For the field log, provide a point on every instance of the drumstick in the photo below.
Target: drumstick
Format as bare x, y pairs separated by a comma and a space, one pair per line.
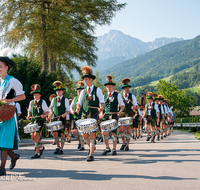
57, 116
93, 107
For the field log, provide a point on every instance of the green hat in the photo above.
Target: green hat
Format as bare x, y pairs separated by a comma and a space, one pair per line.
87, 72
7, 60
125, 82
109, 81
80, 85
36, 88
58, 86
149, 95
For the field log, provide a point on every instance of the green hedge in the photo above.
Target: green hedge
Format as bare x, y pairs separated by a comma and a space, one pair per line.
188, 120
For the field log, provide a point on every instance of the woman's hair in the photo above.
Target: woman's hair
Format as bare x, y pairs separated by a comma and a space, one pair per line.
7, 64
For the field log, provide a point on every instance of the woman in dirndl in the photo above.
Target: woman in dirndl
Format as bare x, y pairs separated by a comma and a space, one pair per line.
11, 91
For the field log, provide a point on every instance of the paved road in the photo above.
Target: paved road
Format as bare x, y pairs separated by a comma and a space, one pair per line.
173, 163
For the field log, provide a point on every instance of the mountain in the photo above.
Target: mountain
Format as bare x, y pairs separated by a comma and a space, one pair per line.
159, 63
115, 43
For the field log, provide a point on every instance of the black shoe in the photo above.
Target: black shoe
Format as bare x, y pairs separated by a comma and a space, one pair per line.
161, 137
56, 151
165, 136
13, 162
152, 140
41, 150
127, 148
2, 172
60, 152
79, 145
101, 139
114, 152
123, 146
81, 149
69, 141
138, 137
148, 138
35, 156
106, 151
90, 158
158, 138
54, 143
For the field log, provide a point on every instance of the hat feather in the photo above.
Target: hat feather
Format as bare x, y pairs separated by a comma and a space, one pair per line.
155, 95
86, 70
81, 83
150, 94
35, 87
126, 81
109, 78
57, 83
4, 52
160, 96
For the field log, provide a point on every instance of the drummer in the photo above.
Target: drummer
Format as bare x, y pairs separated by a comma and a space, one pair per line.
90, 98
76, 116
112, 100
69, 118
37, 107
130, 105
59, 108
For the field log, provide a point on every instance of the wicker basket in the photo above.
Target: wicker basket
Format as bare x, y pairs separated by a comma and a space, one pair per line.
7, 112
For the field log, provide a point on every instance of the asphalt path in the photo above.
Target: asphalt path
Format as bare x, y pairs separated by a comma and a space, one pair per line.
172, 163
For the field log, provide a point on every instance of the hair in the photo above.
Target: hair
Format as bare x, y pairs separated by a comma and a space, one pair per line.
7, 64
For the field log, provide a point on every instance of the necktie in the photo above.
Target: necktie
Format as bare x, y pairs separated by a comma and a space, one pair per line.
58, 100
35, 103
126, 95
109, 95
88, 91
150, 105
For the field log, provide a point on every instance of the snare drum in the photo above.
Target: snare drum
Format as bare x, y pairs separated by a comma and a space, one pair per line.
31, 128
54, 126
125, 121
86, 125
109, 125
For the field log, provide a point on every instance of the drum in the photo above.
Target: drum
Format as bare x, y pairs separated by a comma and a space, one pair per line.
86, 125
109, 125
31, 128
125, 121
54, 126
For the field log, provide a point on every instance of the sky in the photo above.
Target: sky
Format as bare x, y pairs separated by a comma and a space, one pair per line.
151, 19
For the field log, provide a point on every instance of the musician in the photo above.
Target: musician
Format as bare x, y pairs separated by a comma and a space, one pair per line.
130, 105
59, 108
112, 100
90, 98
159, 124
37, 111
151, 114
11, 91
137, 121
76, 117
141, 120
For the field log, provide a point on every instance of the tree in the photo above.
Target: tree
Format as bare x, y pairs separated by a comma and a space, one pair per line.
60, 33
181, 102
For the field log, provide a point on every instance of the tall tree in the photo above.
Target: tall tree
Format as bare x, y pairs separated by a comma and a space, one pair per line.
59, 32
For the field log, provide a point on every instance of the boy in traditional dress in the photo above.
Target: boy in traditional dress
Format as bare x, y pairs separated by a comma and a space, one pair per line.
37, 107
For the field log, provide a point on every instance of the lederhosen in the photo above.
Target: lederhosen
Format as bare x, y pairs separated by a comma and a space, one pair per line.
91, 100
76, 116
136, 120
111, 105
151, 119
37, 111
59, 110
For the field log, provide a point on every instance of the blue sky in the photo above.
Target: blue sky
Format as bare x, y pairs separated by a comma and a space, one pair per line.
150, 19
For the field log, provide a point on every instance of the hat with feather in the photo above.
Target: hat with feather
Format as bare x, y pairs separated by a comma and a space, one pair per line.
149, 95
80, 85
155, 96
87, 72
160, 97
109, 81
125, 82
58, 86
36, 88
4, 58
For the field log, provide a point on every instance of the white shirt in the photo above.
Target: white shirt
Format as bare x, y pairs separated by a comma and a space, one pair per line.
134, 100
44, 106
119, 98
99, 94
162, 110
58, 104
155, 107
17, 105
72, 104
166, 110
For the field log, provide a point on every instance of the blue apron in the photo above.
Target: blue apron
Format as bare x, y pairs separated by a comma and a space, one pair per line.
7, 128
